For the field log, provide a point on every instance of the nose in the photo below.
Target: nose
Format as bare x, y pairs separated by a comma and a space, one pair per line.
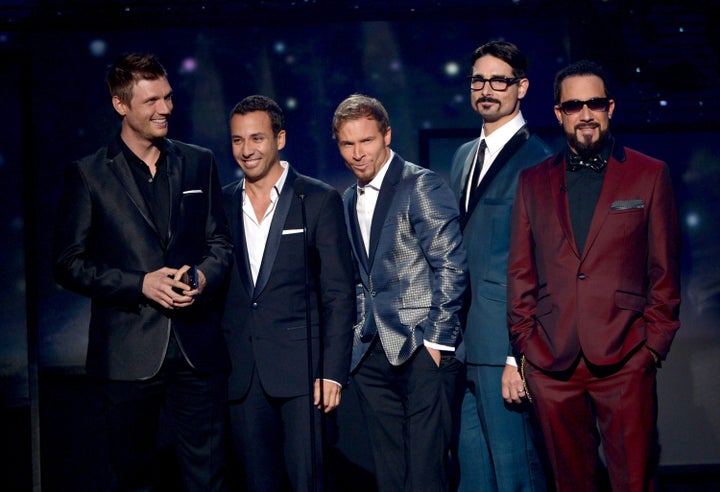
242, 148
165, 106
357, 153
586, 113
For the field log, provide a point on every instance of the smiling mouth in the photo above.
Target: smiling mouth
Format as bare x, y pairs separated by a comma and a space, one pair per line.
586, 129
251, 162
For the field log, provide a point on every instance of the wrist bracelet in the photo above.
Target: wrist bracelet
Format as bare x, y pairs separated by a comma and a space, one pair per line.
524, 381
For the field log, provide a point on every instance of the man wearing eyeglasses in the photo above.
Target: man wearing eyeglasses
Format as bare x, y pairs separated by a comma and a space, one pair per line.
496, 448
594, 291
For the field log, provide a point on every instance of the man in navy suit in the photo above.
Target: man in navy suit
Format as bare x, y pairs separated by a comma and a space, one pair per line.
496, 451
402, 221
275, 214
134, 217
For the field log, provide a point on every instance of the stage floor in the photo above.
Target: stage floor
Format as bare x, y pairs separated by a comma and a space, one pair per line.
71, 444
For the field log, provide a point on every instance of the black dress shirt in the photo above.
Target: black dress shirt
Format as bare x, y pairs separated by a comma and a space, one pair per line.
583, 188
155, 189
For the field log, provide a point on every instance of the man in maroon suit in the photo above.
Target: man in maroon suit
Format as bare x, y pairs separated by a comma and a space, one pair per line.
593, 292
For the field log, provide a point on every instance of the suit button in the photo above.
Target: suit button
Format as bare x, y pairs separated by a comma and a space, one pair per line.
372, 293
254, 305
582, 276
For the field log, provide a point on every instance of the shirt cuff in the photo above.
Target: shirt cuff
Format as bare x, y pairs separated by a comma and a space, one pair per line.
437, 346
510, 361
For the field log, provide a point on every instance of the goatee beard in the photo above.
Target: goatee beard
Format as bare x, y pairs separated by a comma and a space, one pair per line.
587, 149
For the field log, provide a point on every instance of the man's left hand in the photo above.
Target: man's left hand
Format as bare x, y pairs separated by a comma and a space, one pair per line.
331, 392
513, 389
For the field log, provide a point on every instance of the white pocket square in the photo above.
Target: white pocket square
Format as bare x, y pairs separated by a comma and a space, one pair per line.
291, 231
192, 192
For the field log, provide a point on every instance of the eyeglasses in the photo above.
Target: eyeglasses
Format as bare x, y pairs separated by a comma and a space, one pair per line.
496, 83
595, 104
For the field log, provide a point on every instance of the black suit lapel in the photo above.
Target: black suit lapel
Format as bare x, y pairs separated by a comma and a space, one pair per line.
276, 227
237, 224
175, 174
385, 198
121, 169
517, 141
354, 226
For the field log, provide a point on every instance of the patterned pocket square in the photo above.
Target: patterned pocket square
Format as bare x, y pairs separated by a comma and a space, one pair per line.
627, 204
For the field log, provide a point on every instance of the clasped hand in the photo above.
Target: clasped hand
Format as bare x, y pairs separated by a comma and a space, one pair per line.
164, 287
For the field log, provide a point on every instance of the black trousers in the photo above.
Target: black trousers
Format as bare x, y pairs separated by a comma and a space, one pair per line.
272, 436
178, 405
409, 416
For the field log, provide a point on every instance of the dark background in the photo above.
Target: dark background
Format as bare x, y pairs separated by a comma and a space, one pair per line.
664, 57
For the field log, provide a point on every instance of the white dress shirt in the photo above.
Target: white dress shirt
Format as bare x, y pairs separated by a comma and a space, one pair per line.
367, 197
256, 233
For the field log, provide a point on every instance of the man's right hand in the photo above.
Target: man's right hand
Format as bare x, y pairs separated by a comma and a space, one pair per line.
158, 286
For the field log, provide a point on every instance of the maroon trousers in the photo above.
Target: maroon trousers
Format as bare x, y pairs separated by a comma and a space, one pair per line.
589, 405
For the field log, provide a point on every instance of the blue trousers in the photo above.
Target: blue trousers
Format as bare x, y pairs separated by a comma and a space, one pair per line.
497, 444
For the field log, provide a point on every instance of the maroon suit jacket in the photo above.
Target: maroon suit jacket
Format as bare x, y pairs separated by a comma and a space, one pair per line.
623, 291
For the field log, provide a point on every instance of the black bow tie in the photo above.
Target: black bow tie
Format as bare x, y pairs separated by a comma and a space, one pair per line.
575, 162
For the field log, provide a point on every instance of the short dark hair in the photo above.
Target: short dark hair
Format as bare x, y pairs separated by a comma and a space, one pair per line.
507, 52
360, 106
128, 69
262, 103
582, 67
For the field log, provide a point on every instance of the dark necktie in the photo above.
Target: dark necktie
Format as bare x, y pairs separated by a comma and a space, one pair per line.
474, 179
575, 162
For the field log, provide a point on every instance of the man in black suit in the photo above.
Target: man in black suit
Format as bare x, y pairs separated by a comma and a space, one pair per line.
275, 213
134, 218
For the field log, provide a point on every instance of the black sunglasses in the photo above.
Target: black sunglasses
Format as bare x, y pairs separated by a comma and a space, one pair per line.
595, 104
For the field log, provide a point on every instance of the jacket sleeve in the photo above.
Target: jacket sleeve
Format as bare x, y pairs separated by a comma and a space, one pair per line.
336, 288
218, 256
522, 275
434, 215
663, 269
75, 267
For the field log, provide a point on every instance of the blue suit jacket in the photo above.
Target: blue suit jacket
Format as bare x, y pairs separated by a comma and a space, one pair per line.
265, 324
411, 285
487, 240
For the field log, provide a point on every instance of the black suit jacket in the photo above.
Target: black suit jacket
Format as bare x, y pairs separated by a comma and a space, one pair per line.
105, 241
265, 325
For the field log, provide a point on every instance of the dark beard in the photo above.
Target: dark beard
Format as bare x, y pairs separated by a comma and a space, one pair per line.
588, 150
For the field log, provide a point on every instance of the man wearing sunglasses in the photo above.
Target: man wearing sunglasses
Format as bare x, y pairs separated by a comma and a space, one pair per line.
496, 446
594, 292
